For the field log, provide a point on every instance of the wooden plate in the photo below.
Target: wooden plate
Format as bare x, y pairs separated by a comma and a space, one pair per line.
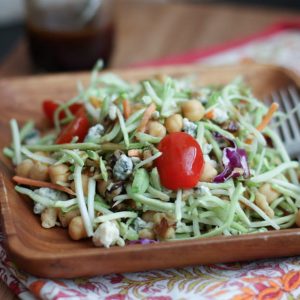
50, 253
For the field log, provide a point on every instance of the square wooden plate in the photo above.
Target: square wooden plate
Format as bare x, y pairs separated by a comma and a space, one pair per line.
50, 253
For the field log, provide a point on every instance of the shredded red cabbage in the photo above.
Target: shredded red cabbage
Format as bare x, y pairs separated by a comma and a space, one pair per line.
142, 242
235, 164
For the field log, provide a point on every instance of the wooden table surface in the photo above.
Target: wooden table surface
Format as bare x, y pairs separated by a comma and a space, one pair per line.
150, 31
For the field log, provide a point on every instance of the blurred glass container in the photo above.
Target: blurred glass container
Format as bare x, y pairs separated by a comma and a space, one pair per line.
67, 35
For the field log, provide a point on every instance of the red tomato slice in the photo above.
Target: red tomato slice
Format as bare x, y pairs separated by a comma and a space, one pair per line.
78, 127
50, 106
181, 164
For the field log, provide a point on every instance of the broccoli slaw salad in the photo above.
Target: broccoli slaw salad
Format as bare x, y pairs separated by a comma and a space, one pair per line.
160, 159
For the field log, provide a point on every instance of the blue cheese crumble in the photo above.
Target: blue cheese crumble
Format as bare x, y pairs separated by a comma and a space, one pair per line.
107, 234
94, 132
189, 127
123, 167
48, 193
220, 116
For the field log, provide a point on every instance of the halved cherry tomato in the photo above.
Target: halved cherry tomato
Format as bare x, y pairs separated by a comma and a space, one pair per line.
78, 127
50, 106
181, 164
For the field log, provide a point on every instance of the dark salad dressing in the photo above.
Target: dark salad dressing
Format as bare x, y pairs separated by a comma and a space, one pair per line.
58, 41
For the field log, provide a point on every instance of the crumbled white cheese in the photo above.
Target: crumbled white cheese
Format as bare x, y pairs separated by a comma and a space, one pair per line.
112, 112
206, 148
123, 167
202, 190
107, 234
141, 224
189, 127
38, 208
220, 115
51, 194
94, 133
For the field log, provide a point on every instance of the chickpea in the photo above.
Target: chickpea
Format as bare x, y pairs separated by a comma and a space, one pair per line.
169, 234
76, 229
49, 217
101, 187
298, 218
23, 169
146, 234
147, 154
65, 218
108, 189
59, 173
159, 216
174, 123
193, 110
156, 129
268, 192
39, 171
148, 215
262, 203
161, 77
209, 173
84, 179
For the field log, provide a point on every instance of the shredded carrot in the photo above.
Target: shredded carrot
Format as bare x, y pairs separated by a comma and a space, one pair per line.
146, 117
266, 120
209, 115
38, 183
126, 108
268, 117
134, 153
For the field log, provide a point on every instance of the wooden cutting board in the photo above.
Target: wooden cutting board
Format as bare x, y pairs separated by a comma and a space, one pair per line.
50, 253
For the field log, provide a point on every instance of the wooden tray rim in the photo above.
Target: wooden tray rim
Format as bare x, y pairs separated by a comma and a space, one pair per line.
25, 255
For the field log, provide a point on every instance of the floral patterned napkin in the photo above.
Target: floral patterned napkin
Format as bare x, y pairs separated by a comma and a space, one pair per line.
263, 280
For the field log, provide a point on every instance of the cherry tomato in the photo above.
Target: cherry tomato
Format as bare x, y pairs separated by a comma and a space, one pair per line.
78, 127
181, 164
50, 106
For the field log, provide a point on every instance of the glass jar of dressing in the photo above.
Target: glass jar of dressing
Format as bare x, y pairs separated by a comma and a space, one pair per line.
67, 35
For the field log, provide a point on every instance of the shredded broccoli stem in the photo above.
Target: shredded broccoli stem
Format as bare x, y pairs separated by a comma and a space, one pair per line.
75, 156
115, 216
144, 137
37, 157
47, 202
16, 141
81, 201
178, 206
123, 128
111, 135
158, 194
91, 198
276, 171
148, 160
26, 129
8, 152
153, 203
